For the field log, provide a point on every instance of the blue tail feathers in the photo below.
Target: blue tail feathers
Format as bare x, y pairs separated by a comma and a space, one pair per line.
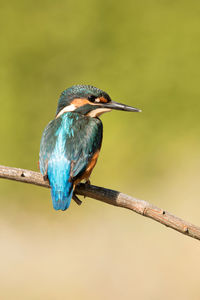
61, 188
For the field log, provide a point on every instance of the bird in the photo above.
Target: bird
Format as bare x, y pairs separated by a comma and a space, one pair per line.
71, 142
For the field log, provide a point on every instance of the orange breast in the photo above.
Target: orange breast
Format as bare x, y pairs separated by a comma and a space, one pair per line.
89, 169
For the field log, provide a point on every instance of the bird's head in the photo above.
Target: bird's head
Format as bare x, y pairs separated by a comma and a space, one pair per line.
88, 100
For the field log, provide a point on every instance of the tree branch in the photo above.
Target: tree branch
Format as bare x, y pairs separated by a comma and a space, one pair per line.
111, 197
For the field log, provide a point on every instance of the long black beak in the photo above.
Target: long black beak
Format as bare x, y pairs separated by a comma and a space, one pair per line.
119, 106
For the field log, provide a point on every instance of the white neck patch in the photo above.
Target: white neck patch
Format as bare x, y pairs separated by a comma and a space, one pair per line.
68, 108
97, 112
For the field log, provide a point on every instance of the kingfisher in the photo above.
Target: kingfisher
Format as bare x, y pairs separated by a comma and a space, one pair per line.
71, 143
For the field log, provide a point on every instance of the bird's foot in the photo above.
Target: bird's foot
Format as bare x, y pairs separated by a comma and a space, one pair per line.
88, 182
45, 177
76, 199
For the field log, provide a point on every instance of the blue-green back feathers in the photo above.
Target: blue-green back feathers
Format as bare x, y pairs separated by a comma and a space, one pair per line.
67, 146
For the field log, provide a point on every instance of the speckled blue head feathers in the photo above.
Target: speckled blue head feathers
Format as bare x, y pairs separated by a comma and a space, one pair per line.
80, 91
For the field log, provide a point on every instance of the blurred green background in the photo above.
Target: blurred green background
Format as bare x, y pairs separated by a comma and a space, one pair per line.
143, 53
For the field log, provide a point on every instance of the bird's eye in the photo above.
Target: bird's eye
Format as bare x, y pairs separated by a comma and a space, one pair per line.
92, 98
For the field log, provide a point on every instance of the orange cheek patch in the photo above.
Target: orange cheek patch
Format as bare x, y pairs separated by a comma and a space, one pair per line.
79, 102
103, 100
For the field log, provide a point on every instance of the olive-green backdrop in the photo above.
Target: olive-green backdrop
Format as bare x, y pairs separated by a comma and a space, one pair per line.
143, 53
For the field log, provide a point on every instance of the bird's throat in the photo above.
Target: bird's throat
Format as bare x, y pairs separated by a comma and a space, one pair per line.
97, 112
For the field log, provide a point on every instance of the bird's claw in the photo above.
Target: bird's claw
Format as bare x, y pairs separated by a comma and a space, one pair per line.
76, 199
45, 177
88, 182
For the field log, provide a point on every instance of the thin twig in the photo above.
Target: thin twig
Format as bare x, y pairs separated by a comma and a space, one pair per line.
111, 197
